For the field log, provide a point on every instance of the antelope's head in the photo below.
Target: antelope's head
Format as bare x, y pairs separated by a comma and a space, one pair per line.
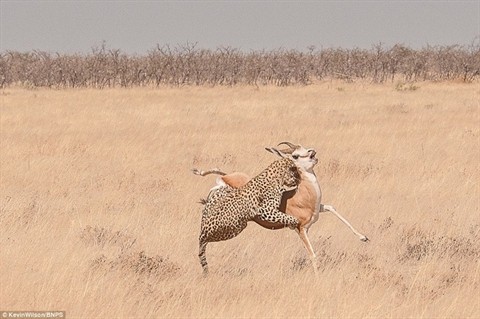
303, 157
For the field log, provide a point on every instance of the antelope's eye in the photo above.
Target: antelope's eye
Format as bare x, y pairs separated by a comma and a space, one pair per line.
295, 156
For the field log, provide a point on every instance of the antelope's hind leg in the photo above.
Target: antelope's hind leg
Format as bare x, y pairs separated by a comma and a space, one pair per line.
303, 234
216, 171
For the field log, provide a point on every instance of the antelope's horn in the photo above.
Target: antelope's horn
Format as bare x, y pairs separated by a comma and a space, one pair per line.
291, 145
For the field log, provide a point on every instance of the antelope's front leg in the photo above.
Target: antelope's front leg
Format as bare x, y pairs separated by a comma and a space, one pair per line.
303, 233
331, 209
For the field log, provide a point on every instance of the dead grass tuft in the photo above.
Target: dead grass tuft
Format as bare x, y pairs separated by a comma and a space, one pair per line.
101, 236
418, 244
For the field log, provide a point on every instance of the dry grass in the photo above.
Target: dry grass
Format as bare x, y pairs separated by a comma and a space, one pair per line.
99, 214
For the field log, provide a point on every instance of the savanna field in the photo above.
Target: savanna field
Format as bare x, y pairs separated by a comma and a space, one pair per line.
100, 215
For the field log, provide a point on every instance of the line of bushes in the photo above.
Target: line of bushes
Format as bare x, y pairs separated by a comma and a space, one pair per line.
188, 65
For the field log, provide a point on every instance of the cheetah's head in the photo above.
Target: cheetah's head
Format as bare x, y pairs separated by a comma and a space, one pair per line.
291, 175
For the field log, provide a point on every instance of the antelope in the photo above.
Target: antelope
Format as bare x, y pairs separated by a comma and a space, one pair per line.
305, 203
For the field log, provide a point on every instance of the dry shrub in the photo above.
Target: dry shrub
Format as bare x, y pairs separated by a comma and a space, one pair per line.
327, 257
101, 236
386, 224
188, 65
418, 244
128, 260
135, 263
143, 265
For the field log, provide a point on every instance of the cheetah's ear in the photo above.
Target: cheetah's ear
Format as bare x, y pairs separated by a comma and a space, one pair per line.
276, 152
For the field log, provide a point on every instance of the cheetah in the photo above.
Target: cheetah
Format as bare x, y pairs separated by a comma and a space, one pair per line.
227, 210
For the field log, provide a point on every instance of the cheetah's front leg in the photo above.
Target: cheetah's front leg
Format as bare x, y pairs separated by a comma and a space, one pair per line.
269, 209
276, 216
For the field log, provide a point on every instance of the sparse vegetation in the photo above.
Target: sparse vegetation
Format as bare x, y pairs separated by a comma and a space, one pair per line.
402, 86
99, 213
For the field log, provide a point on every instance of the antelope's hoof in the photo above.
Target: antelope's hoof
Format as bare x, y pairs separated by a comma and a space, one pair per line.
364, 239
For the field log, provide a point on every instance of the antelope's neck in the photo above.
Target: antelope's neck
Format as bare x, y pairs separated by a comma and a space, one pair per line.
310, 177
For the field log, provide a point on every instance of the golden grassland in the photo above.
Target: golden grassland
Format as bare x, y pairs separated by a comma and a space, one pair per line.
99, 213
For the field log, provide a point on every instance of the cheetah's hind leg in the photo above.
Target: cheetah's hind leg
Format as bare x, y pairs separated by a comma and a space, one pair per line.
201, 254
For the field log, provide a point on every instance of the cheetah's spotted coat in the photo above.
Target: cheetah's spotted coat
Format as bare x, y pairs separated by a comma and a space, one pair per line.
227, 210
